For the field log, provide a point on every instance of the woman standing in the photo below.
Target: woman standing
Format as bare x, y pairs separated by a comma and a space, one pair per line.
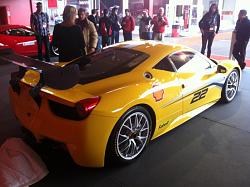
209, 26
68, 37
144, 27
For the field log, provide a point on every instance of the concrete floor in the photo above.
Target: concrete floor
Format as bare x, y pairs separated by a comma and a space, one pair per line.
212, 149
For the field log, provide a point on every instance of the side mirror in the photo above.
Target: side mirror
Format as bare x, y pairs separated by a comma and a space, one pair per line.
221, 69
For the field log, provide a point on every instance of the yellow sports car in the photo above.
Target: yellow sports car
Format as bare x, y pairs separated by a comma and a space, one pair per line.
108, 106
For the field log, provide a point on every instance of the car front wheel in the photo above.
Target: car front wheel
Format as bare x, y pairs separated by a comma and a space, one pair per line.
54, 51
130, 135
231, 85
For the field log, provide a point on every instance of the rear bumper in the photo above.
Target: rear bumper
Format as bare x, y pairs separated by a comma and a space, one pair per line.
85, 140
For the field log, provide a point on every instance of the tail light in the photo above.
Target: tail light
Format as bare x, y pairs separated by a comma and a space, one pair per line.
85, 106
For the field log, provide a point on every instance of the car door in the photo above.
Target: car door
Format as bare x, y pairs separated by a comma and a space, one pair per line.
167, 94
199, 78
24, 41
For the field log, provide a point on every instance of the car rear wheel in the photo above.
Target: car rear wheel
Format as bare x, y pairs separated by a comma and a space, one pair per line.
130, 135
230, 87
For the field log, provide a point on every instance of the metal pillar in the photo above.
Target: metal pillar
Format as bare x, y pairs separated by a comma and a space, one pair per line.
148, 4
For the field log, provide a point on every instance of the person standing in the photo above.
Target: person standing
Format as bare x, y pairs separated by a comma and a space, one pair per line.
105, 28
242, 31
94, 18
88, 30
144, 26
128, 25
209, 26
159, 22
39, 22
115, 25
68, 37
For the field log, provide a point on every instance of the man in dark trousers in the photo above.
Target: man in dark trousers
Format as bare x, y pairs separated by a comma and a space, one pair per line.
128, 25
115, 25
242, 30
94, 18
39, 22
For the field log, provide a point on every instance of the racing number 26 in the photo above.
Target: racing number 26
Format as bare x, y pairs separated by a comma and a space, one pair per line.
199, 95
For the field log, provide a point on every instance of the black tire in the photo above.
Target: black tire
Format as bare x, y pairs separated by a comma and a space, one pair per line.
114, 153
232, 82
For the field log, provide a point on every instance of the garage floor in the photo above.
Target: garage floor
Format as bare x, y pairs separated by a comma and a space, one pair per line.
212, 149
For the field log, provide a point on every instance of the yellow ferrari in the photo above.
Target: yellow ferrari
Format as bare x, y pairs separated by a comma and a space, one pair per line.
110, 105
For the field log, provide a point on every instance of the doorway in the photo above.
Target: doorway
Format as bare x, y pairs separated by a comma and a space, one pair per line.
3, 16
182, 16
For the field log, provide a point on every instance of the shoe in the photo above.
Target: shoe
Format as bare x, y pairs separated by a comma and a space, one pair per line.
242, 66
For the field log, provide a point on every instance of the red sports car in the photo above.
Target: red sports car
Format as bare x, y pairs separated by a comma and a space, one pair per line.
19, 38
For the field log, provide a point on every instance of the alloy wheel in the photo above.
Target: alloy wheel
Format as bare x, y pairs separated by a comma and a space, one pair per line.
133, 135
232, 85
55, 50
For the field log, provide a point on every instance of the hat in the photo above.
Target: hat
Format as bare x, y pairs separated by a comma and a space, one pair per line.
145, 10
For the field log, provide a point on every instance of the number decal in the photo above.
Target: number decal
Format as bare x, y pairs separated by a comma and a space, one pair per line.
199, 95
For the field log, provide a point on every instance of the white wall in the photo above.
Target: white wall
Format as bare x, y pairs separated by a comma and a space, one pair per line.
241, 4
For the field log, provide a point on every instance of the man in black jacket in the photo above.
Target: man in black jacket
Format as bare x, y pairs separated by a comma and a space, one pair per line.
95, 18
242, 30
115, 25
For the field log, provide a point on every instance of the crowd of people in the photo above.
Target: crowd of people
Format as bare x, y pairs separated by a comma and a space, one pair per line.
84, 35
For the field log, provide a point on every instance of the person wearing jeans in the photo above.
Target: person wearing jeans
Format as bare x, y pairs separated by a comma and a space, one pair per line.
144, 26
39, 22
209, 26
94, 18
115, 25
43, 40
105, 28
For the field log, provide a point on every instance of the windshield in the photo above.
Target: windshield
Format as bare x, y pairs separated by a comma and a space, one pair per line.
109, 62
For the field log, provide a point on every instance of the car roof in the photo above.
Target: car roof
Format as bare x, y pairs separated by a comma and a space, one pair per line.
5, 27
151, 47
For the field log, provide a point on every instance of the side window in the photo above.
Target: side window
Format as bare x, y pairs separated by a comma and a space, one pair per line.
16, 32
189, 62
28, 32
181, 58
165, 65
20, 32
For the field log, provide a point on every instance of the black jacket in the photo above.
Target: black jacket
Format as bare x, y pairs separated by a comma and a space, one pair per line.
70, 42
114, 20
210, 21
242, 29
95, 20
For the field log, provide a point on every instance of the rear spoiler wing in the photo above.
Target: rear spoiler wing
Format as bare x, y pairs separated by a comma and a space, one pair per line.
56, 77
